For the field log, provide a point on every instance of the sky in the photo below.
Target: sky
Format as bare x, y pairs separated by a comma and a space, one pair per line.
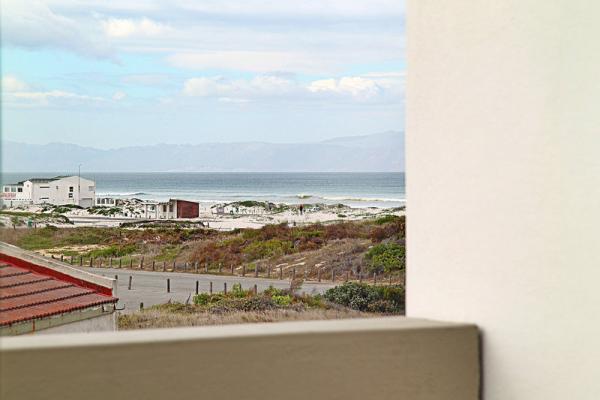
110, 74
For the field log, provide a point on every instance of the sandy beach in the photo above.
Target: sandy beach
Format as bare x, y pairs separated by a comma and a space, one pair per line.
215, 216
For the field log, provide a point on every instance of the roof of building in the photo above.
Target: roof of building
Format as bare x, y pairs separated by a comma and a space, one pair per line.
27, 295
46, 180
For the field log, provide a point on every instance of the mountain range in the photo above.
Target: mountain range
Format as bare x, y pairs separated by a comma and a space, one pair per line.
380, 152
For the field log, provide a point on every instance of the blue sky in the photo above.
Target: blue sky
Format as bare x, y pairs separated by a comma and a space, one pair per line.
118, 73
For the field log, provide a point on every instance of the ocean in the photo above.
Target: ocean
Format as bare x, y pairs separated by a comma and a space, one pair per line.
385, 189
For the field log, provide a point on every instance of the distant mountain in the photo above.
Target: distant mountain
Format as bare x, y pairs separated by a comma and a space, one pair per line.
381, 152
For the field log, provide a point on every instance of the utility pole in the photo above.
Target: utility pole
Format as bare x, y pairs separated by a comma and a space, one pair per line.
79, 185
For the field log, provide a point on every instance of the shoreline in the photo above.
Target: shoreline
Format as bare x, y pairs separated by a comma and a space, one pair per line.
255, 216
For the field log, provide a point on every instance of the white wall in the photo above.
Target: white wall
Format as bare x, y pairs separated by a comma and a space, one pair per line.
57, 192
503, 185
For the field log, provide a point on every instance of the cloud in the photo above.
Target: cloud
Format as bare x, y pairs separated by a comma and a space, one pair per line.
254, 61
119, 95
11, 84
33, 24
124, 27
56, 94
377, 88
18, 93
356, 87
311, 36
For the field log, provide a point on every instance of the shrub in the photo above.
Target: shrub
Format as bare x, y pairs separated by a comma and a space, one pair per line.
363, 297
113, 251
282, 301
386, 219
237, 291
388, 257
267, 249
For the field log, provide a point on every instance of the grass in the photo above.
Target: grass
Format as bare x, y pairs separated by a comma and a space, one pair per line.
166, 317
272, 305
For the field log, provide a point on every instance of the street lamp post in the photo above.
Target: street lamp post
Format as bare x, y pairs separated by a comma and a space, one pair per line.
79, 185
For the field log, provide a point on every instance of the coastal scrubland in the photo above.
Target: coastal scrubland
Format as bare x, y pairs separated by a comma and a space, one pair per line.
345, 248
350, 300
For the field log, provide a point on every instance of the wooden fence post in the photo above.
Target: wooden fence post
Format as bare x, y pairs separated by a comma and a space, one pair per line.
129, 284
197, 286
142, 263
174, 265
62, 258
225, 287
153, 264
244, 270
168, 285
231, 269
81, 261
120, 262
255, 289
131, 263
164, 266
256, 270
91, 262
110, 262
210, 288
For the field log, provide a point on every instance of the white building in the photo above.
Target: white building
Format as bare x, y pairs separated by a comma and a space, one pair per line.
58, 190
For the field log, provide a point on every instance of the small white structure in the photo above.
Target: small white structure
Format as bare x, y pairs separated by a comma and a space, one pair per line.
58, 190
105, 201
159, 210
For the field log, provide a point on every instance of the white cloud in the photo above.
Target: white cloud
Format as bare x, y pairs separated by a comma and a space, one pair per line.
355, 86
119, 95
124, 27
351, 88
11, 84
44, 97
18, 93
263, 86
254, 61
33, 24
324, 36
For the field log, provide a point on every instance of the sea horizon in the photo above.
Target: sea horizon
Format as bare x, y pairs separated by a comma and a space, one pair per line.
354, 189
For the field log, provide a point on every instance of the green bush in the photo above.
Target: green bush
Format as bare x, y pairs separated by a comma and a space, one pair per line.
386, 257
237, 291
267, 249
113, 251
282, 301
363, 297
386, 219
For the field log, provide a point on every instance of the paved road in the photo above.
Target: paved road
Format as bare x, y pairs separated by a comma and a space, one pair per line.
151, 287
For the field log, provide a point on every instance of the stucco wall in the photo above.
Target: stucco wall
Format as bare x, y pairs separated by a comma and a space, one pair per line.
378, 358
104, 323
503, 186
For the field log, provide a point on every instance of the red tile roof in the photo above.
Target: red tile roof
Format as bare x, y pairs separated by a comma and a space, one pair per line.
27, 295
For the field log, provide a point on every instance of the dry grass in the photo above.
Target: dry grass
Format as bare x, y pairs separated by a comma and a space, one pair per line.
163, 318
